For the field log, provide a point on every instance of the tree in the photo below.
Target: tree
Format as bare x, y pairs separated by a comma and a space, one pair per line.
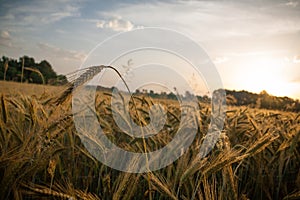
35, 78
12, 71
188, 95
46, 69
171, 95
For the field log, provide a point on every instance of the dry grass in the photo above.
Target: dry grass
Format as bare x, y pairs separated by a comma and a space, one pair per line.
41, 157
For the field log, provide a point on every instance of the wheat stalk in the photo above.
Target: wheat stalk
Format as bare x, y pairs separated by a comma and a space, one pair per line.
36, 71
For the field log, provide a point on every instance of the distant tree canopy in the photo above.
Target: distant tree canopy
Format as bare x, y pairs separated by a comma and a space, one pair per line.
262, 100
11, 70
238, 98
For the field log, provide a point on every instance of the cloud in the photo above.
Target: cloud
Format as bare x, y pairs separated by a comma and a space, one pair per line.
296, 59
68, 11
61, 53
5, 35
219, 60
5, 39
257, 53
291, 4
35, 13
100, 24
211, 18
116, 24
120, 25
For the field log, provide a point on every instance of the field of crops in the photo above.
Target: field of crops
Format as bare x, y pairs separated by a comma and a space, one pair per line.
42, 157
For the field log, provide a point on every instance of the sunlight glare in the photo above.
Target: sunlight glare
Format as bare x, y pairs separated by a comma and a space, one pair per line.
265, 74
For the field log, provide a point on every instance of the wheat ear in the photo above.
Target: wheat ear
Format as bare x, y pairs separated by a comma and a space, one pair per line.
88, 74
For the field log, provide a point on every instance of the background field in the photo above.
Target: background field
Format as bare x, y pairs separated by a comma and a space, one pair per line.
41, 156
17, 89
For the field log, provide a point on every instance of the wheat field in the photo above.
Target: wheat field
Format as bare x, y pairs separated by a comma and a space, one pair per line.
42, 157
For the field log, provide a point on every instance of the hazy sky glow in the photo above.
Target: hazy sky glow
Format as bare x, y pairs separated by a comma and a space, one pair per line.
254, 44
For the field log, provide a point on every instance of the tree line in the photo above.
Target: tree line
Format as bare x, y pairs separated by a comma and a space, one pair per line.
262, 100
26, 69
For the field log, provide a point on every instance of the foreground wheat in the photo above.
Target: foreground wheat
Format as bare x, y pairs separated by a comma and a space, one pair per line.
258, 156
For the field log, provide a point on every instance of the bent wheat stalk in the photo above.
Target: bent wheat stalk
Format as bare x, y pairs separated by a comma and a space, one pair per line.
86, 75
36, 71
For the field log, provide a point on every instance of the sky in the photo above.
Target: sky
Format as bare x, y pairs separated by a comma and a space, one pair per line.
255, 45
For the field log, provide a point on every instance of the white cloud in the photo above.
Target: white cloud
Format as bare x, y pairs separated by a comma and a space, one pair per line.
61, 53
116, 24
120, 25
100, 24
292, 4
292, 59
5, 35
219, 60
211, 20
67, 11
36, 13
5, 39
256, 53
296, 59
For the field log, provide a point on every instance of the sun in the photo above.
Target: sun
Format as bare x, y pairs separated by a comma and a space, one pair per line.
264, 74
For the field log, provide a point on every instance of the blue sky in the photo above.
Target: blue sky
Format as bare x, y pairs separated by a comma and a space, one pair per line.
255, 45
